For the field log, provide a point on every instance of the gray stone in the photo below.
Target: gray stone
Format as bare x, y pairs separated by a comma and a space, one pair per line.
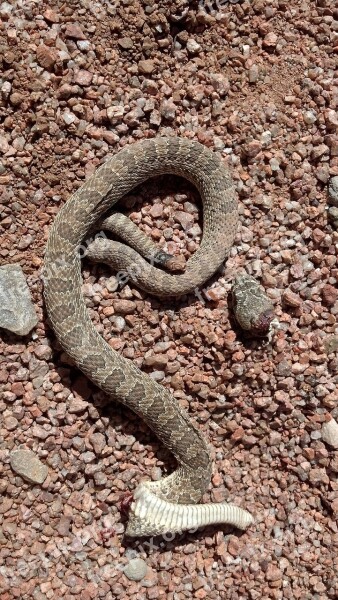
333, 191
253, 74
168, 110
28, 466
115, 114
112, 284
68, 117
331, 344
332, 214
330, 433
136, 569
309, 117
193, 47
17, 312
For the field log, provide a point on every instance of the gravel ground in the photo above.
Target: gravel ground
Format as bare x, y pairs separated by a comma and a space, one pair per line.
255, 81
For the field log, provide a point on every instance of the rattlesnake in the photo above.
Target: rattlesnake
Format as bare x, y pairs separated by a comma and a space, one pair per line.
170, 503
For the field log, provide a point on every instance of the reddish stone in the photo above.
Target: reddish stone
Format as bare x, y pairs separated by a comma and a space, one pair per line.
46, 56
73, 30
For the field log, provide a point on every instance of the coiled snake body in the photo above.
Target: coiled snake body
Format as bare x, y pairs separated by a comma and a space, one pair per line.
168, 504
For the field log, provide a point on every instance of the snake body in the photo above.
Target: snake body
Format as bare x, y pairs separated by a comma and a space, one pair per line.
170, 503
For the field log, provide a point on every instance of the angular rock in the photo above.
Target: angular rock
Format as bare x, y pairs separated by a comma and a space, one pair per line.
51, 16
168, 110
333, 191
146, 67
98, 442
270, 40
17, 313
77, 405
273, 573
126, 43
46, 56
252, 148
10, 423
331, 344
28, 466
73, 30
83, 77
115, 114
331, 118
253, 73
64, 525
192, 46
330, 433
329, 294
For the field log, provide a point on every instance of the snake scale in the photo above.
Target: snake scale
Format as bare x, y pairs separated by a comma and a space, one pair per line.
170, 504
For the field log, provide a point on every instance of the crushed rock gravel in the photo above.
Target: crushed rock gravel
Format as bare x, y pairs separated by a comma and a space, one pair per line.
256, 81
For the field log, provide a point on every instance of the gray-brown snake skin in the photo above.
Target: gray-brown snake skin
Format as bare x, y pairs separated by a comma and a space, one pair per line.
166, 505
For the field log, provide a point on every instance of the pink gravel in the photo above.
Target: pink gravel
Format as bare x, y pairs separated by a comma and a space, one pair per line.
255, 81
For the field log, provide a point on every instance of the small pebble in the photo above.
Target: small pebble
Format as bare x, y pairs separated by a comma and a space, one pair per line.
192, 46
146, 67
136, 569
330, 433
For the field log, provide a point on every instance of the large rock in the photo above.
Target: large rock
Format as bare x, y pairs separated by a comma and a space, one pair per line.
26, 464
333, 191
17, 312
330, 433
